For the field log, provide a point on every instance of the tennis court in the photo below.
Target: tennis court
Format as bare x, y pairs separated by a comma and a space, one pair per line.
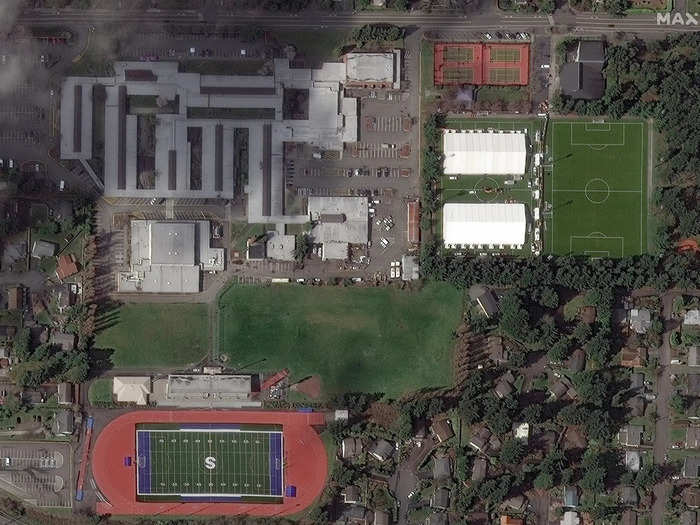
596, 175
209, 462
459, 54
504, 54
504, 75
458, 74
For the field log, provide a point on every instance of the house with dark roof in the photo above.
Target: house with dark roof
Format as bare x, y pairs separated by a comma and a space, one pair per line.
637, 381
15, 298
692, 437
631, 435
497, 353
382, 450
577, 361
381, 517
693, 387
351, 494
691, 497
583, 78
691, 467
442, 430
480, 440
689, 517
442, 468
485, 299
479, 469
629, 495
62, 423
351, 447
440, 499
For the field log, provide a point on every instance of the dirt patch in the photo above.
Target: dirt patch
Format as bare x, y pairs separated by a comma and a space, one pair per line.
382, 414
310, 387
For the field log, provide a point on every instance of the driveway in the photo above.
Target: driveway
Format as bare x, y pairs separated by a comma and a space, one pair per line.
406, 478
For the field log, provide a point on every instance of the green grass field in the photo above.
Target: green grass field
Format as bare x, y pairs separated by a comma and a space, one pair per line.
356, 339
153, 335
100, 392
595, 182
173, 462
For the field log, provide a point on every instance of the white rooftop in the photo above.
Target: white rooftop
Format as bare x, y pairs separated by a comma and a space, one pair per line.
489, 153
484, 224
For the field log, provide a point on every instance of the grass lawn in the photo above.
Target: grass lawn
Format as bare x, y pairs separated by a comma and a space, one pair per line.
315, 47
504, 93
152, 335
356, 339
427, 64
242, 231
100, 392
595, 182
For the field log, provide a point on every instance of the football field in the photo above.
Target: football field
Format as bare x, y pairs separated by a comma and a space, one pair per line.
233, 462
595, 187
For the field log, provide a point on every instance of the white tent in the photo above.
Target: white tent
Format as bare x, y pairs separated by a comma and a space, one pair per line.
132, 389
473, 153
483, 224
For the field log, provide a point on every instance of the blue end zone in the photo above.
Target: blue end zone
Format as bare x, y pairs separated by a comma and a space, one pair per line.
144, 462
276, 464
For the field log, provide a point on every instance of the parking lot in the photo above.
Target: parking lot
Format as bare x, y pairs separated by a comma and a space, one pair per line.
37, 472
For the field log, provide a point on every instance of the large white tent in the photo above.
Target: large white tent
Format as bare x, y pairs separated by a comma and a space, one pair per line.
489, 153
483, 224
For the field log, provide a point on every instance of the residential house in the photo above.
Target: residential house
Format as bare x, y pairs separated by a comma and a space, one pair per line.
420, 429
494, 444
692, 437
631, 435
577, 361
15, 298
629, 517
629, 496
351, 447
497, 354
691, 497
637, 381
66, 266
382, 450
691, 318
504, 386
442, 430
689, 517
636, 405
558, 390
693, 387
693, 356
485, 299
479, 469
64, 340
43, 249
691, 467
570, 518
381, 517
633, 460
64, 296
358, 514
693, 410
571, 496
440, 499
639, 320
480, 440
62, 423
442, 468
65, 394
351, 494
633, 357
583, 78
516, 503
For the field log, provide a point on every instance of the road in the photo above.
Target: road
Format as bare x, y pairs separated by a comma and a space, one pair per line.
664, 389
405, 479
564, 21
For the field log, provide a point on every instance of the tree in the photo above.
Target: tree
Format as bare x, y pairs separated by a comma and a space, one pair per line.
647, 476
532, 414
678, 403
470, 410
404, 426
512, 451
582, 333
559, 351
592, 386
549, 297
303, 247
543, 481
21, 344
515, 320
598, 348
594, 471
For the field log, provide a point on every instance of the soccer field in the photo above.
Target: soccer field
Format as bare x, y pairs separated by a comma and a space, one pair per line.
209, 462
595, 185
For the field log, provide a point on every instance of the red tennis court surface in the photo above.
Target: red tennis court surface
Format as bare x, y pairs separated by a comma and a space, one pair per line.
305, 463
481, 64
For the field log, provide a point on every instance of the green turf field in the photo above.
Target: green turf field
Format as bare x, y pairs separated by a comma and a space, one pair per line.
356, 339
154, 335
219, 462
595, 183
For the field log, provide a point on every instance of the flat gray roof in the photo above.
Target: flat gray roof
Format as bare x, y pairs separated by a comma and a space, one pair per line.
172, 243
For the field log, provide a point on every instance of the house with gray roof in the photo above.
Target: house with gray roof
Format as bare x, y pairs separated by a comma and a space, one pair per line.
440, 499
639, 320
583, 77
382, 450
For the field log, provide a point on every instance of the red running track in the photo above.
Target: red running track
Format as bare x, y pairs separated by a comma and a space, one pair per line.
306, 463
